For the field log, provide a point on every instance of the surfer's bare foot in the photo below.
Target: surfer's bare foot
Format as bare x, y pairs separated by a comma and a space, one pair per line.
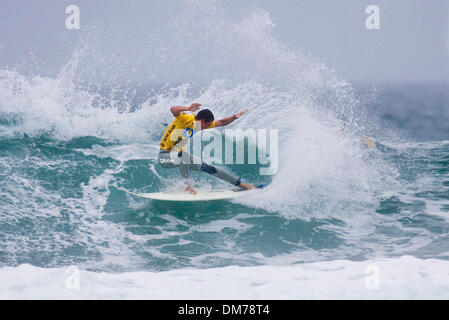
246, 186
190, 190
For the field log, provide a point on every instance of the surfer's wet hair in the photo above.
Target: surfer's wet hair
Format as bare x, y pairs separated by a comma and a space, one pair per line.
205, 114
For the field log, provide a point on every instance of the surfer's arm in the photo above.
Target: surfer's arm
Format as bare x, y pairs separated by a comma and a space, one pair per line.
176, 110
228, 120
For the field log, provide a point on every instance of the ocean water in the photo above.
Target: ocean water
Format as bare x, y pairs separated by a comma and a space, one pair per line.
72, 143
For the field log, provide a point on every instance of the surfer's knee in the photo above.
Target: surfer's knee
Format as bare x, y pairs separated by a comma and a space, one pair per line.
208, 168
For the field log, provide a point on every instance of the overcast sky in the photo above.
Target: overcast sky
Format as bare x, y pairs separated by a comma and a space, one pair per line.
411, 45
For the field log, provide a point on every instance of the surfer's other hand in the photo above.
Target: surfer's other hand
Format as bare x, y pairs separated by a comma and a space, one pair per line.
194, 107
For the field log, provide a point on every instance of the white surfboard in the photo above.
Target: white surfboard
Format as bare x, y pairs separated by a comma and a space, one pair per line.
200, 196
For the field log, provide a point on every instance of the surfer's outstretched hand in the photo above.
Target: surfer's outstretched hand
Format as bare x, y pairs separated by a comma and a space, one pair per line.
238, 115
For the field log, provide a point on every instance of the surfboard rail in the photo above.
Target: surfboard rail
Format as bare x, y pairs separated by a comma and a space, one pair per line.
209, 195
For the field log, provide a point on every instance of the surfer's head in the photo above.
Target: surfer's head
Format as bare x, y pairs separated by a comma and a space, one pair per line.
206, 117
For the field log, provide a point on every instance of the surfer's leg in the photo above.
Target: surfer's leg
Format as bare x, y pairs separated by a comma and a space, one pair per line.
184, 165
190, 162
220, 173
223, 175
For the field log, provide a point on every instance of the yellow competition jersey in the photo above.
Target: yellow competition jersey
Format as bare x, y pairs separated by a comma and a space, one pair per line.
179, 132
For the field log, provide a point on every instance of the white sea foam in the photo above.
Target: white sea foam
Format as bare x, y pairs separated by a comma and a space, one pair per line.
402, 278
123, 153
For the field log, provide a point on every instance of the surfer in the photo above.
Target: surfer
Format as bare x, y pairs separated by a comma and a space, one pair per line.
178, 133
